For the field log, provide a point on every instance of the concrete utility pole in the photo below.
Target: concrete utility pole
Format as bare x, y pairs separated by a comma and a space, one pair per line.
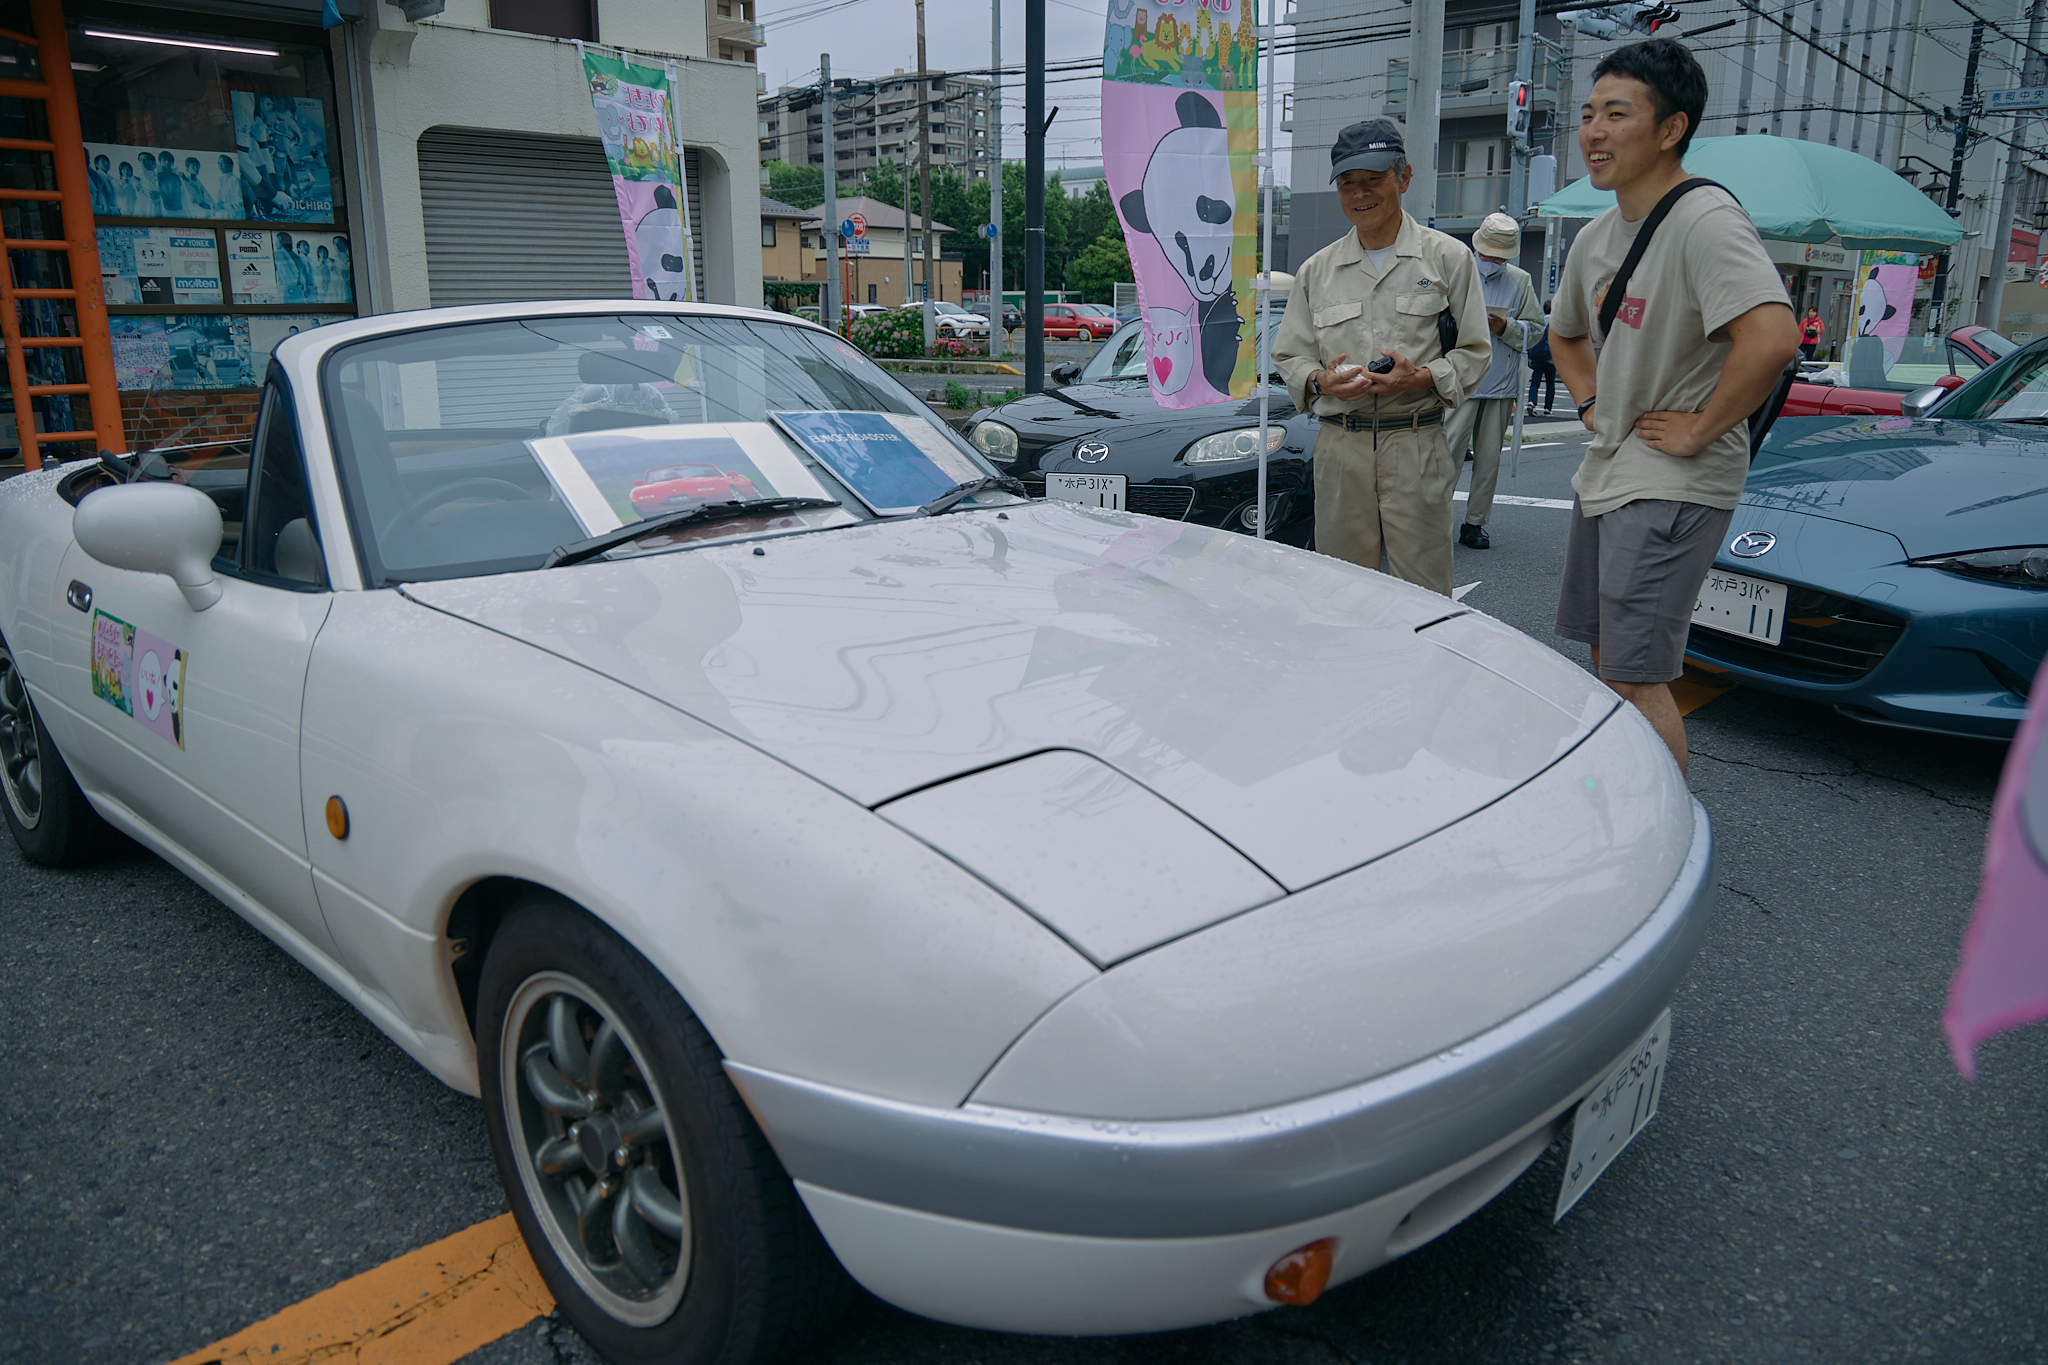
828, 310
2029, 70
908, 296
1425, 101
995, 180
1034, 194
924, 184
1521, 151
1955, 177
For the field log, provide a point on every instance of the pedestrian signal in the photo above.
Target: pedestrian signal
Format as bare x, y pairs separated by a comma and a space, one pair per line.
1651, 17
1518, 110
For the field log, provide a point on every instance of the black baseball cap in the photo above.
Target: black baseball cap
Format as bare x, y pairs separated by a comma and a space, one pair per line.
1372, 145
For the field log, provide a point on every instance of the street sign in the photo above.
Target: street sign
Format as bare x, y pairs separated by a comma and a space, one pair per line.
859, 246
988, 230
2004, 101
860, 224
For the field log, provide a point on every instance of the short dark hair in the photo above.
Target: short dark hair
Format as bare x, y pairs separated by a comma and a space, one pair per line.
1673, 74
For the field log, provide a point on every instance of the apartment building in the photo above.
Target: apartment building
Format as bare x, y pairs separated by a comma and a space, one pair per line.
1829, 77
877, 121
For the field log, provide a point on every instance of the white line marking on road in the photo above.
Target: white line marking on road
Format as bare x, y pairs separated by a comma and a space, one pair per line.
1511, 500
1458, 594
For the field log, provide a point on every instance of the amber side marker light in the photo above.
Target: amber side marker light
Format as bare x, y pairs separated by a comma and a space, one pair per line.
337, 818
1302, 1274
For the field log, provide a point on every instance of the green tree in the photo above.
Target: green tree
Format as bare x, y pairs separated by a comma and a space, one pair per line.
1095, 217
1058, 227
1096, 270
800, 187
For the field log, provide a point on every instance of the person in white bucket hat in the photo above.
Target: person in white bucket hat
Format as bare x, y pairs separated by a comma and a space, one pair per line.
1515, 317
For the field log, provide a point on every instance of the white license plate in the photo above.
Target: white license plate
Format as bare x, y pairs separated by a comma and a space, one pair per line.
1090, 490
1610, 1117
1753, 608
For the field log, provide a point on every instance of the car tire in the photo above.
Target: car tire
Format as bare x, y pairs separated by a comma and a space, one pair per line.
49, 817
698, 1251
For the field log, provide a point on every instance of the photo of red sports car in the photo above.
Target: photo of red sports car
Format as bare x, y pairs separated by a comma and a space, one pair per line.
686, 485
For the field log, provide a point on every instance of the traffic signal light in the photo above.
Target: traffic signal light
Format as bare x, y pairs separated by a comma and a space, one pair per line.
1650, 17
1518, 111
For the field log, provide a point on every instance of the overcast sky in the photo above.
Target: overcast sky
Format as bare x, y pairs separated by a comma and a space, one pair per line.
873, 37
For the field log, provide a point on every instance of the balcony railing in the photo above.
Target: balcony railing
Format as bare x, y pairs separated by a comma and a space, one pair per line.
1470, 194
1493, 65
722, 30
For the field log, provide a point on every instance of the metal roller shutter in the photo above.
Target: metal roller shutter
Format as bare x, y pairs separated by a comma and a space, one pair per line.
515, 216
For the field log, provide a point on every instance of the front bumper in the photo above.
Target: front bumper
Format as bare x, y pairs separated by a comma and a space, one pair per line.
955, 1213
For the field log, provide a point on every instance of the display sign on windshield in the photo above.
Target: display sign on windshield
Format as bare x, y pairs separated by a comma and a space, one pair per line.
624, 474
894, 462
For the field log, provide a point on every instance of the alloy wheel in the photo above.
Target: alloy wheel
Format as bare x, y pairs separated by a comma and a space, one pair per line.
21, 756
598, 1154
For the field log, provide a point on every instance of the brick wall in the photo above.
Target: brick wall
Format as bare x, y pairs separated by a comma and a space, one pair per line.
217, 415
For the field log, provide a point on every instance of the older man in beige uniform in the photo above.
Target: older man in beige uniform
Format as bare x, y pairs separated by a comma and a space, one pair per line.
1383, 475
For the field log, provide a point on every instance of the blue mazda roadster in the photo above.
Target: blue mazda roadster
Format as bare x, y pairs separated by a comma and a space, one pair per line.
1895, 568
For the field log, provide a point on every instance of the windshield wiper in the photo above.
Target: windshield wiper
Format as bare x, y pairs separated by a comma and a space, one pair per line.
1079, 405
712, 511
953, 497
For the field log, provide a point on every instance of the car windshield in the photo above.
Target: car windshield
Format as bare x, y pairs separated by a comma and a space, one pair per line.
478, 448
2015, 389
1122, 356
1902, 364
1996, 344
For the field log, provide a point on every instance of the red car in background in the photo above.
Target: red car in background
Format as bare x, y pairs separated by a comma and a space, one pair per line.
1876, 383
1071, 322
687, 485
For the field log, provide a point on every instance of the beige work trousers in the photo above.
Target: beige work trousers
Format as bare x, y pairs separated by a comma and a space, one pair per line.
1396, 497
1481, 425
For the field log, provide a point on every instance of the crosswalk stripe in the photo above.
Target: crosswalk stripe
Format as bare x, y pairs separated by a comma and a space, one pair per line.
1512, 501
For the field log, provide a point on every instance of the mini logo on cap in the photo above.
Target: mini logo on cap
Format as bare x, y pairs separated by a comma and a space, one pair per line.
1371, 146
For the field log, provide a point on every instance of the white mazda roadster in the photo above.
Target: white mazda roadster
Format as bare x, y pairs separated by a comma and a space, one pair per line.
826, 862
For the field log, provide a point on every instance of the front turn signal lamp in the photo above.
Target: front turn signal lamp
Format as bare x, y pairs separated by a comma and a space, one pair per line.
2026, 566
1301, 1276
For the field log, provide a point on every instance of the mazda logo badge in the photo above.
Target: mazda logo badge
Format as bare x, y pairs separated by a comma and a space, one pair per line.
1091, 452
1750, 544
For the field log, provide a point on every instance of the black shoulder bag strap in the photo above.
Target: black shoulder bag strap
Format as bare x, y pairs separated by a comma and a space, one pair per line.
1611, 304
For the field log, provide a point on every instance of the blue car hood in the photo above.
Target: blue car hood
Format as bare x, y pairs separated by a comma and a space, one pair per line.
1940, 487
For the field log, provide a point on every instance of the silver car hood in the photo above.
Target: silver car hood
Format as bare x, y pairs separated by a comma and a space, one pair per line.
1309, 713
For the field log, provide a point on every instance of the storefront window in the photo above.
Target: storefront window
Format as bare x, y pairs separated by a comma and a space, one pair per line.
217, 200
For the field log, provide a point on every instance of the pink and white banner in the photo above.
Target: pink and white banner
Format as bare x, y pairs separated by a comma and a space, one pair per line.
635, 121
1179, 137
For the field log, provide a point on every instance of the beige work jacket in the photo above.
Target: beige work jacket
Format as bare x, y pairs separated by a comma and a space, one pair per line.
1338, 307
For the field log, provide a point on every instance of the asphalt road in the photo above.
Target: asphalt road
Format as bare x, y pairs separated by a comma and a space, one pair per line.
200, 1134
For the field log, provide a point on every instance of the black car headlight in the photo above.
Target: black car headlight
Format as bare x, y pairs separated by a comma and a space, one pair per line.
994, 440
1242, 444
2027, 565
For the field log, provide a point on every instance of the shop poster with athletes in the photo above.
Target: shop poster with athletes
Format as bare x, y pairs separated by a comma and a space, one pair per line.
636, 123
1180, 136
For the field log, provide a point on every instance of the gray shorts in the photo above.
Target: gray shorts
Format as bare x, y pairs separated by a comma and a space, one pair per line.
1631, 577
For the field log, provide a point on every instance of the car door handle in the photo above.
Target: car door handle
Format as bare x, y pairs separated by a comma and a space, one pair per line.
79, 595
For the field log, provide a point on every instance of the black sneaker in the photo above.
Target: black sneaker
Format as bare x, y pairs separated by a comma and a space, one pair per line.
1474, 537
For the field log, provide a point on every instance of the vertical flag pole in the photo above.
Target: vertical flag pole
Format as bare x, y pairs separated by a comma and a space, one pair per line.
682, 188
1265, 290
995, 179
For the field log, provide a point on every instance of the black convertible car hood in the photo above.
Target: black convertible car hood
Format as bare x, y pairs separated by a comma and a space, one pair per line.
1124, 408
1939, 486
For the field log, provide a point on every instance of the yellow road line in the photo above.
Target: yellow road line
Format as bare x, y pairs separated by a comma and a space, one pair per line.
428, 1307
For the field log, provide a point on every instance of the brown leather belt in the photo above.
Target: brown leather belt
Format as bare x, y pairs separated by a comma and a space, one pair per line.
1352, 421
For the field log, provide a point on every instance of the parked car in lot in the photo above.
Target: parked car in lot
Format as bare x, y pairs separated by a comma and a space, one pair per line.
1069, 322
1103, 440
1048, 916
1873, 379
951, 320
1895, 568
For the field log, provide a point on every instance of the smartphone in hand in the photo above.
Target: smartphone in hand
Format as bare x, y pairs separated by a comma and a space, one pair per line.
1384, 365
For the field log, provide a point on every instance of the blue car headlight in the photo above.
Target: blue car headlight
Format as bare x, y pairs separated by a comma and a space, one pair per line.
2026, 566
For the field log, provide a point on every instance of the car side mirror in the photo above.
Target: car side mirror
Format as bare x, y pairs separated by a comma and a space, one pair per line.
165, 528
1066, 372
1920, 401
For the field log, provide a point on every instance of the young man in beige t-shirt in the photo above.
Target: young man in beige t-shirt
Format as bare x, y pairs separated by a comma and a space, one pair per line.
1703, 332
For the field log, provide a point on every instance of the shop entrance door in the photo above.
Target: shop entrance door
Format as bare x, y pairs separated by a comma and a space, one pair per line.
59, 356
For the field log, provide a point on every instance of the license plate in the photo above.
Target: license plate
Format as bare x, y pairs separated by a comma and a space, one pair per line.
1090, 490
1610, 1117
1737, 604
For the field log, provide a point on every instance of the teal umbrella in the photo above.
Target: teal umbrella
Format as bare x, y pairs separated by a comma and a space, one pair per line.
1799, 192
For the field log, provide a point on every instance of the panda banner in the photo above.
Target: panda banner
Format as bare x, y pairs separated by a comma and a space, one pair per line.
1180, 138
636, 123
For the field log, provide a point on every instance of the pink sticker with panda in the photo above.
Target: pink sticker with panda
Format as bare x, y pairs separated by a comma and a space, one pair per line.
159, 688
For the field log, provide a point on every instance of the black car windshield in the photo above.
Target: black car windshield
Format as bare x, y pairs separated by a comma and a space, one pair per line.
478, 448
1123, 355
2014, 389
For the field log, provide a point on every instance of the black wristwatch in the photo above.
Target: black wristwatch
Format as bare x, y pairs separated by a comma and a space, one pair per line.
1587, 404
1314, 387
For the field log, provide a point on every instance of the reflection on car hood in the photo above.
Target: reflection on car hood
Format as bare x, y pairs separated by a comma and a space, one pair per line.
1285, 701
1130, 400
1939, 486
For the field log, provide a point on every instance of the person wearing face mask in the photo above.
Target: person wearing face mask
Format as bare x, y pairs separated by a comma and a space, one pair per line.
1514, 317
